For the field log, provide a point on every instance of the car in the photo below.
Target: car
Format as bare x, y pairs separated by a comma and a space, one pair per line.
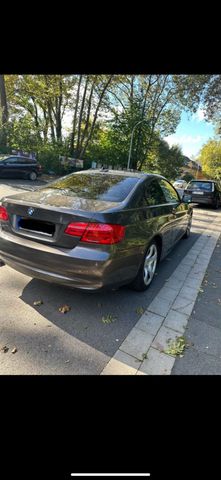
180, 183
15, 166
207, 192
94, 229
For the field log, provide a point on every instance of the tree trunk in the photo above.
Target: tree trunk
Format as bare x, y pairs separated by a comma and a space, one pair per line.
4, 104
58, 113
4, 108
95, 116
87, 119
80, 116
75, 117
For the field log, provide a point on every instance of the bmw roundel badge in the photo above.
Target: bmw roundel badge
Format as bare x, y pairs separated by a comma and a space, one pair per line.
30, 211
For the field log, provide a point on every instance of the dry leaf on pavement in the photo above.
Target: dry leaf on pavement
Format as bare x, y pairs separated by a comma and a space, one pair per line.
14, 350
4, 349
37, 302
64, 309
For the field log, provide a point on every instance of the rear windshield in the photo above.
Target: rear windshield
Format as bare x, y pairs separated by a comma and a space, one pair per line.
107, 187
206, 186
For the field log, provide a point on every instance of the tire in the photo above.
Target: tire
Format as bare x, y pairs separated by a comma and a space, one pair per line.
187, 232
32, 176
147, 270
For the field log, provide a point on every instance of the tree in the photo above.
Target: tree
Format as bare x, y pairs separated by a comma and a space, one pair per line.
212, 100
210, 158
4, 111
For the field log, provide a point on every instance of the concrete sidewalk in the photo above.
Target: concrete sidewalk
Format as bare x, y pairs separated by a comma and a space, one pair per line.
145, 349
203, 333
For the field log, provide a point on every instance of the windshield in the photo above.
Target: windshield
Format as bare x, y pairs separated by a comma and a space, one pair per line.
107, 187
206, 186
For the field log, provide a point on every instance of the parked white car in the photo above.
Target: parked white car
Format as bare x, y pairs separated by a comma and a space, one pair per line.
180, 184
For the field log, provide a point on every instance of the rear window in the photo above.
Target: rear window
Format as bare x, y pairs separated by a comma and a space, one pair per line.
107, 187
205, 186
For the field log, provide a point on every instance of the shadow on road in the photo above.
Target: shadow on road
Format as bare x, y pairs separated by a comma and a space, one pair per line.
84, 321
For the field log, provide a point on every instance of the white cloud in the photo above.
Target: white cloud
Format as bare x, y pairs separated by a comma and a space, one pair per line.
199, 115
184, 139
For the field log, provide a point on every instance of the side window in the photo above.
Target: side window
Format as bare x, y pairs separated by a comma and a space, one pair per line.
11, 160
169, 192
153, 194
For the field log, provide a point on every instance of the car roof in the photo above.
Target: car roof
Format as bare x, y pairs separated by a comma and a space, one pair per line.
201, 181
124, 173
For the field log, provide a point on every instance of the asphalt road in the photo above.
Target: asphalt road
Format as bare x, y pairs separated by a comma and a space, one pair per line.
78, 342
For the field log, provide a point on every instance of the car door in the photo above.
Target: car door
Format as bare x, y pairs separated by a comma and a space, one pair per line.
178, 210
11, 167
156, 213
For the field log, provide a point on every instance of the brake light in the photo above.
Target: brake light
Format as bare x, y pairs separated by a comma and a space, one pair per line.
3, 214
101, 233
76, 229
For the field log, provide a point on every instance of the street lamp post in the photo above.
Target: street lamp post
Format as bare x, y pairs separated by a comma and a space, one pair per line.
131, 142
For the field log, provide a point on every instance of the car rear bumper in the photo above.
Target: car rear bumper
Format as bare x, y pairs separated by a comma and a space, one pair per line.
204, 200
82, 267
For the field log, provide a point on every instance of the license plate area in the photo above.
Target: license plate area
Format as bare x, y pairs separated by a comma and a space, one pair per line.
35, 226
198, 193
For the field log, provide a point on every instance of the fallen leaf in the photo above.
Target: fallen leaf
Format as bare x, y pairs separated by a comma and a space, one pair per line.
67, 361
108, 319
14, 350
140, 310
64, 309
4, 349
37, 302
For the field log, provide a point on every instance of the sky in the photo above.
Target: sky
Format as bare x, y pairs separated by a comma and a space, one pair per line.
192, 132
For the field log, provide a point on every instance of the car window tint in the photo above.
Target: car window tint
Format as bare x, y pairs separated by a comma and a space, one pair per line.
107, 187
153, 194
170, 193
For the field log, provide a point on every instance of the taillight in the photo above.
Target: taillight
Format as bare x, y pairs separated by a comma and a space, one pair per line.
76, 229
102, 233
3, 214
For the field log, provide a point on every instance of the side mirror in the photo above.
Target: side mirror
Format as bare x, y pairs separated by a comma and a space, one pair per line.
187, 198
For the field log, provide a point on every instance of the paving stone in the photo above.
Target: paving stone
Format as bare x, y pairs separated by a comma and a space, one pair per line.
150, 323
174, 283
167, 293
121, 364
192, 282
161, 341
157, 363
137, 343
160, 306
183, 305
189, 292
176, 320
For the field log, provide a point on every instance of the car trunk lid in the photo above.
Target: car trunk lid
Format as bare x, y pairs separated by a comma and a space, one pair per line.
44, 215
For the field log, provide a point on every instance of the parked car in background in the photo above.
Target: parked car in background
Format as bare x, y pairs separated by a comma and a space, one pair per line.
180, 184
94, 229
15, 166
207, 192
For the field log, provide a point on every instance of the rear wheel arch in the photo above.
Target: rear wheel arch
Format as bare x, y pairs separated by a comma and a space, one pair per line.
159, 241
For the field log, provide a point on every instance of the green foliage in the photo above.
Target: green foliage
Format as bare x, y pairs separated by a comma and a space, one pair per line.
103, 111
188, 177
176, 347
210, 159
